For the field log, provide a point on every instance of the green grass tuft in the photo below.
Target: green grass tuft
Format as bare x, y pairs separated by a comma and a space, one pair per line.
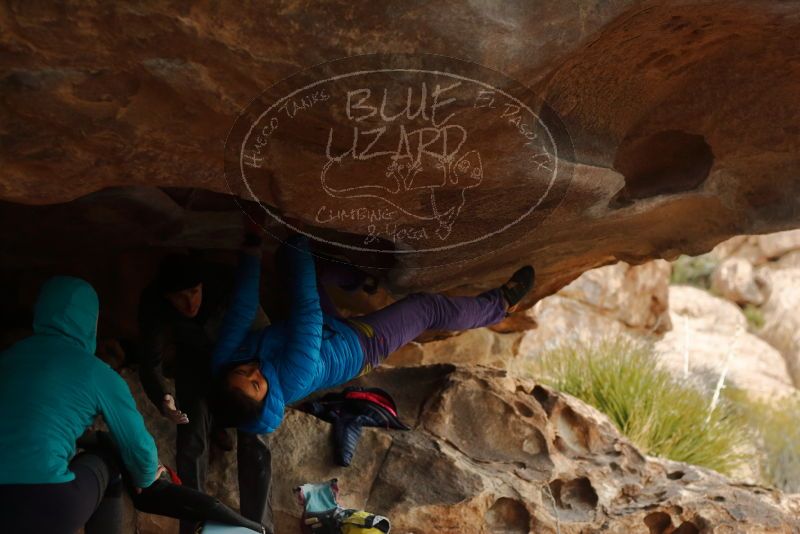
777, 427
694, 270
663, 417
754, 316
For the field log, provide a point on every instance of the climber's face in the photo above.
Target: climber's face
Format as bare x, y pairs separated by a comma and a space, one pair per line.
248, 379
187, 301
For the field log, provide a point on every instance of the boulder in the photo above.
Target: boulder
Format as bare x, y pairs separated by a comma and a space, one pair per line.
713, 314
759, 249
607, 301
781, 321
736, 280
739, 246
709, 337
779, 244
712, 331
634, 295
791, 260
481, 346
560, 319
489, 453
764, 270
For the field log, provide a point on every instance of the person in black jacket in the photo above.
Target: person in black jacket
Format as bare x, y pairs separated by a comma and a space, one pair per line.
178, 314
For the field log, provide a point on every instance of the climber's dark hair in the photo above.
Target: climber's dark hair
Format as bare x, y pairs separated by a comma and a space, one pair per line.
231, 407
178, 272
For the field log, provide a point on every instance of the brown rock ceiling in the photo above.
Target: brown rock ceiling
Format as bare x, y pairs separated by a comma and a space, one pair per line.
684, 119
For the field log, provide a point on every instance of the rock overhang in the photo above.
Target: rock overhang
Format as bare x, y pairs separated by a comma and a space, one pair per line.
682, 118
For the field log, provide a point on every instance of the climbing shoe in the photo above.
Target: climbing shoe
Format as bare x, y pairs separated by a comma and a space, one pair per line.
520, 283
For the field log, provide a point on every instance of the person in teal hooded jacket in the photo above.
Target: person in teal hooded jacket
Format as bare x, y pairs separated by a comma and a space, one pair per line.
259, 372
51, 388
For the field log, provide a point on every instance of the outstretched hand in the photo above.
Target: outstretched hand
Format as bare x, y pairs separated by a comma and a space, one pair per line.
171, 412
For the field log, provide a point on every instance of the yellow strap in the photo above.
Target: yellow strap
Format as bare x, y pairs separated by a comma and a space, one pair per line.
362, 327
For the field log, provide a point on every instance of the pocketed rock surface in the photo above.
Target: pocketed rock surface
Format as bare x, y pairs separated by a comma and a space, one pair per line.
493, 454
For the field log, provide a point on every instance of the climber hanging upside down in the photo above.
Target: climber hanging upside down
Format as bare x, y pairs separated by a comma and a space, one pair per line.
257, 373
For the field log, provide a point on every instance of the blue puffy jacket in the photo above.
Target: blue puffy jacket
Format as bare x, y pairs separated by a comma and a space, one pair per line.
52, 387
308, 352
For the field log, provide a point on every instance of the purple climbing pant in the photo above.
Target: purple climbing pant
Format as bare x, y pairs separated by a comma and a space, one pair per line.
384, 331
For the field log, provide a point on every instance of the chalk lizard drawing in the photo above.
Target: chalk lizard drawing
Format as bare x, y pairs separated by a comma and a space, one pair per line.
446, 186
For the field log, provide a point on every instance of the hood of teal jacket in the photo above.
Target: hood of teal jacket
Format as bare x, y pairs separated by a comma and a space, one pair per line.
68, 307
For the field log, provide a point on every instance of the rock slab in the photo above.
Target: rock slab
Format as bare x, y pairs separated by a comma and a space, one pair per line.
491, 453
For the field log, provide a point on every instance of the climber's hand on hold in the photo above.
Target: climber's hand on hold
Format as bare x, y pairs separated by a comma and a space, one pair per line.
171, 412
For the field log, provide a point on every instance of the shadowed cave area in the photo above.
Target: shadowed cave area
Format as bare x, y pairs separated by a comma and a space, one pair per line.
115, 239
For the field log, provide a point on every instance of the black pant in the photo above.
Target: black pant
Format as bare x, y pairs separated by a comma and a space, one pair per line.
189, 505
253, 456
93, 499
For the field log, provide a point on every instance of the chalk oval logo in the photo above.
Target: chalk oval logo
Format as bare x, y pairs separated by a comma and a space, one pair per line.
411, 154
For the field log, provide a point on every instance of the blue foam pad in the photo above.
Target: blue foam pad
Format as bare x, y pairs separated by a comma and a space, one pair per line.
216, 528
319, 497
